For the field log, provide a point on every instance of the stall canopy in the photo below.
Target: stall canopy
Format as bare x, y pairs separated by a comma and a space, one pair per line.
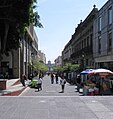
101, 72
84, 75
87, 71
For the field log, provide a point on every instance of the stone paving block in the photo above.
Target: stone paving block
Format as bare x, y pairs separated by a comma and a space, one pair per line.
38, 113
104, 115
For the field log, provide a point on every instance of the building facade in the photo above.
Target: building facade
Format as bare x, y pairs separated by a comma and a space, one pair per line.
66, 53
41, 56
79, 49
91, 45
50, 66
103, 37
58, 61
18, 60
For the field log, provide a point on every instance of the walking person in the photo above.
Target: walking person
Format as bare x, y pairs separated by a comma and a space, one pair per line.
62, 83
39, 83
24, 77
52, 78
30, 77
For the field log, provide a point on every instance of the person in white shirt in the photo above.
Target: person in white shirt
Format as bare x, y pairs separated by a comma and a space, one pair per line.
62, 83
39, 83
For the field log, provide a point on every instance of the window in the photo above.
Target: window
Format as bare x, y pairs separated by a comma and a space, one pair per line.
100, 24
109, 41
110, 16
99, 44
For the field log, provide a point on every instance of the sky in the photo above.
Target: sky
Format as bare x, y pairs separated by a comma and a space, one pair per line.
59, 19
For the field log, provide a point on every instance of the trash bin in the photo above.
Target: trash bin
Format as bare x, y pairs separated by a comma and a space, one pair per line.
3, 84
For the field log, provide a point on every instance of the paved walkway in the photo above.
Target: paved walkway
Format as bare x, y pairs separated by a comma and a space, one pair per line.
56, 107
49, 104
51, 89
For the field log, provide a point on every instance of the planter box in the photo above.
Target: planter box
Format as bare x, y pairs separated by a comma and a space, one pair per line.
3, 84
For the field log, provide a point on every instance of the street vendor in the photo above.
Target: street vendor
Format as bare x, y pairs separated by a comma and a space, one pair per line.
106, 88
89, 87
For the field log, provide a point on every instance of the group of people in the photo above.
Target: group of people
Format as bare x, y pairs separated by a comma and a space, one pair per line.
54, 76
38, 84
39, 81
62, 81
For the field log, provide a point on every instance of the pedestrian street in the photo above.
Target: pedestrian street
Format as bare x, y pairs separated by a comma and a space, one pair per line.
49, 89
56, 107
50, 104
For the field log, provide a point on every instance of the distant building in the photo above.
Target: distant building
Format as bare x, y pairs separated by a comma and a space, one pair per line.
58, 61
41, 56
50, 66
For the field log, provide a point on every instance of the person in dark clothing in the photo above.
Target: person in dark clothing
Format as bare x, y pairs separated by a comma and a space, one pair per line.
30, 77
23, 79
56, 76
78, 82
52, 78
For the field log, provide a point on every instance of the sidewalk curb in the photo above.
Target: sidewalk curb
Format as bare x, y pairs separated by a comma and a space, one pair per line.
13, 93
13, 89
27, 88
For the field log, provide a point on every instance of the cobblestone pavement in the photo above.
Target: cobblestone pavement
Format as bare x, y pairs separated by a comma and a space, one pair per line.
49, 104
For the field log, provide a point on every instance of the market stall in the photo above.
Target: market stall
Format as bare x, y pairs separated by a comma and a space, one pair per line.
100, 76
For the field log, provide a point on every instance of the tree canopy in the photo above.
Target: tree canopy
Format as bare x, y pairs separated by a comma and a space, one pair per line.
39, 66
15, 16
67, 67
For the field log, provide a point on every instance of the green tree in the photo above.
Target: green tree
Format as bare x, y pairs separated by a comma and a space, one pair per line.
58, 69
67, 67
39, 66
15, 16
70, 67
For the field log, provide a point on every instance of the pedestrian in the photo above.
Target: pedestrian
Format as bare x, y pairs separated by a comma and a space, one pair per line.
24, 77
30, 77
62, 83
1, 76
106, 88
78, 82
52, 78
56, 76
39, 83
